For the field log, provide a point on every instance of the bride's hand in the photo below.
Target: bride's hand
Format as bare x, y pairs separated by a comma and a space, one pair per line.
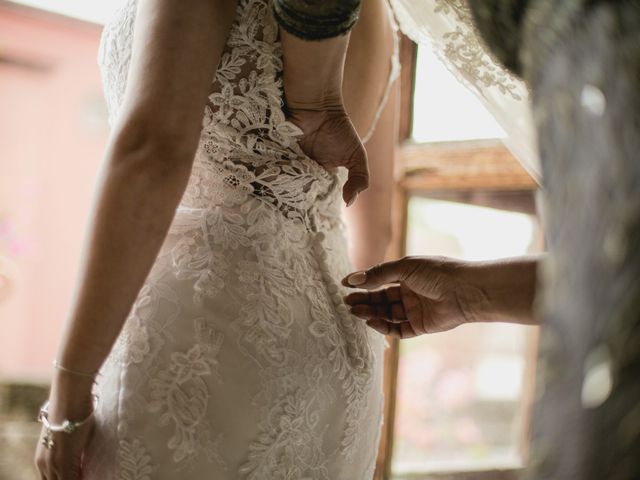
63, 461
331, 140
312, 81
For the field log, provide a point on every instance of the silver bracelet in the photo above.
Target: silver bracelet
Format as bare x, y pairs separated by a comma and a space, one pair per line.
67, 426
57, 365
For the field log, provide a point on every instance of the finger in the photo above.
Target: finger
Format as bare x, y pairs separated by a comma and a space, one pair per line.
392, 294
394, 314
419, 308
406, 330
38, 462
371, 310
358, 177
398, 330
356, 298
378, 297
387, 295
382, 274
398, 312
385, 303
364, 311
41, 462
72, 469
379, 325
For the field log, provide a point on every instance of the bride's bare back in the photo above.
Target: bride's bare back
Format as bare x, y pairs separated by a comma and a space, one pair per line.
369, 65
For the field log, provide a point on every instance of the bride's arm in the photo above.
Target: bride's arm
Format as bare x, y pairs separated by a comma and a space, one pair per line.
367, 72
369, 219
312, 81
147, 164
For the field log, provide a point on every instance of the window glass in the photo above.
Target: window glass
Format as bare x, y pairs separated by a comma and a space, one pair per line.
443, 109
462, 395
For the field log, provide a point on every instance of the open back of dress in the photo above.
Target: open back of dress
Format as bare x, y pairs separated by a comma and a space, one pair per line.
238, 358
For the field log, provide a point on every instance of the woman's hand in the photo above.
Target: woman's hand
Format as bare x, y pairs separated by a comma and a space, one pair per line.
432, 294
331, 140
64, 460
70, 398
425, 296
312, 76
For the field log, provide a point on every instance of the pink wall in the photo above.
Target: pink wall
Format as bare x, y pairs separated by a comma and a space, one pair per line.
52, 134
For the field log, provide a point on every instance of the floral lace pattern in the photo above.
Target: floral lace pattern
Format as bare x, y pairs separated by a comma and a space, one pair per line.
464, 48
238, 358
135, 461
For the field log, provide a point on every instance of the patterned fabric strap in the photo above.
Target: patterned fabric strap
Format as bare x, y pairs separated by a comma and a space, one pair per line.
316, 19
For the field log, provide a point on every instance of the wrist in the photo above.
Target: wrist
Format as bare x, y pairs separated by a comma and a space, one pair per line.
69, 385
314, 102
508, 288
474, 298
313, 71
71, 402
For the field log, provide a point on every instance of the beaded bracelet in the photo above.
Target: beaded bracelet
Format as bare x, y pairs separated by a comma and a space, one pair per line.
67, 426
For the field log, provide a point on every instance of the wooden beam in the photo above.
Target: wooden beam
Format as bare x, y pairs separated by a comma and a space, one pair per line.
392, 354
462, 166
408, 57
510, 474
396, 249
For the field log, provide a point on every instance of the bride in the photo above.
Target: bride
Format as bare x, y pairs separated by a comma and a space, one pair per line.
207, 335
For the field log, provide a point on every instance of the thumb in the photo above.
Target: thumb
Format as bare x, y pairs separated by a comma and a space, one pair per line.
358, 179
382, 274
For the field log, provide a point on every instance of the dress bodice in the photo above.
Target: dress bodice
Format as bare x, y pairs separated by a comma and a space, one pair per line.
247, 148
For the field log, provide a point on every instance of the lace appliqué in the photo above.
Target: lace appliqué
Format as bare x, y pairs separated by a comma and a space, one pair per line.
465, 49
134, 461
180, 395
140, 339
250, 228
247, 147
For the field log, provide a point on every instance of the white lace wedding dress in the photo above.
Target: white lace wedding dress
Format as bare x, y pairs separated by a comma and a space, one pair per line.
239, 359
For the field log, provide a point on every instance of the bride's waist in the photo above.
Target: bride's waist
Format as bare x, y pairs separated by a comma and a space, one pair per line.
256, 217
288, 191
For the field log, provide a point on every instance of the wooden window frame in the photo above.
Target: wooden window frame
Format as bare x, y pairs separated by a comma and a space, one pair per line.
449, 167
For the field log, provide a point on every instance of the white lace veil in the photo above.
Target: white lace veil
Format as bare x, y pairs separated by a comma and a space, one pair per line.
446, 27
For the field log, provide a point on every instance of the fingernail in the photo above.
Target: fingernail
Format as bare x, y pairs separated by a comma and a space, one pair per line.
357, 278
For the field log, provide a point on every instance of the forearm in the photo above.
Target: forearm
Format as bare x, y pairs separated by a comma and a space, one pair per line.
134, 206
313, 71
505, 290
369, 231
314, 20
369, 220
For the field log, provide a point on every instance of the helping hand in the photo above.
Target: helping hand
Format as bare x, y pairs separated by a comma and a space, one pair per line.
426, 295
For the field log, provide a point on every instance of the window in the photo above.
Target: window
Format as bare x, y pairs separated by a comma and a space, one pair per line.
462, 395
458, 402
